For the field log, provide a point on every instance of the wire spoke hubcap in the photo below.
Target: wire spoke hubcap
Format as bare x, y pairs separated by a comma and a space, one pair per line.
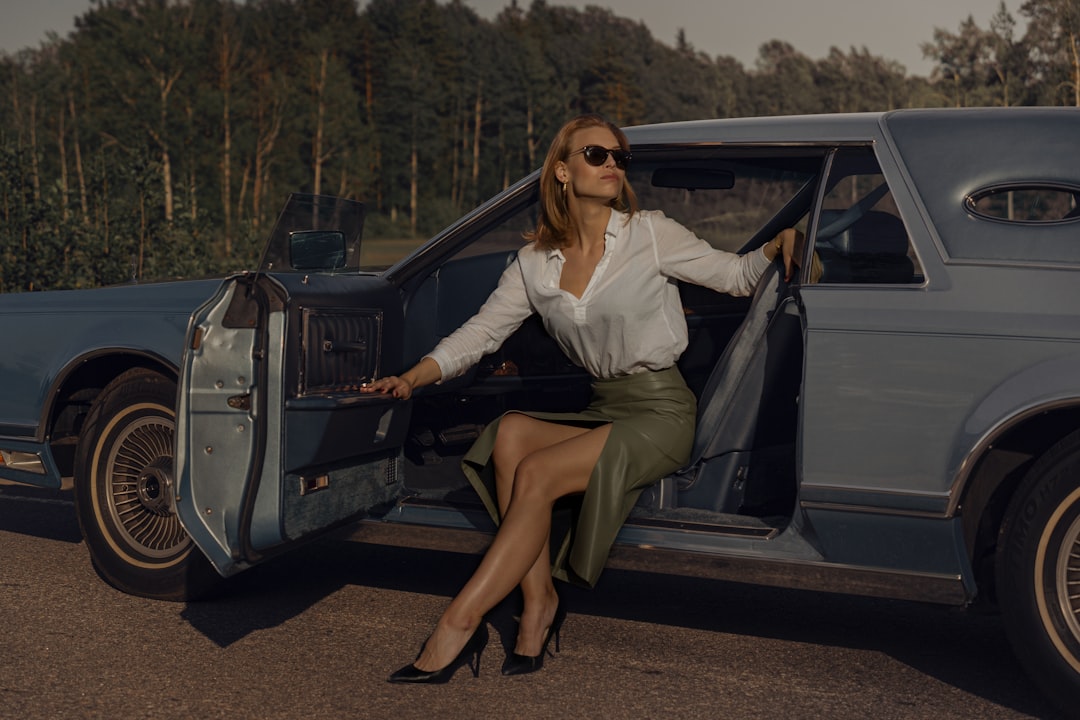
140, 480
1068, 578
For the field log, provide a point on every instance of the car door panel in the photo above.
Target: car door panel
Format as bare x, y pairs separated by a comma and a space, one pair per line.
275, 442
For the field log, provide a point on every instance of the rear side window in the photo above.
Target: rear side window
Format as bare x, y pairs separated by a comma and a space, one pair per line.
860, 237
1026, 203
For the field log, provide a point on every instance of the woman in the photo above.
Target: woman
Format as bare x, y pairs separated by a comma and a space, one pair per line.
600, 274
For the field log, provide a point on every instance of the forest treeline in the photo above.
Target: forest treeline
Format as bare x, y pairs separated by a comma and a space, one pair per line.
160, 137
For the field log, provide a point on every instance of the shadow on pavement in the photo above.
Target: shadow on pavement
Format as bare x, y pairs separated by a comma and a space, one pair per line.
38, 512
966, 650
264, 597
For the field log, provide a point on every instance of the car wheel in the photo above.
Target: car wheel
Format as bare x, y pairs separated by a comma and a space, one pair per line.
1038, 572
123, 478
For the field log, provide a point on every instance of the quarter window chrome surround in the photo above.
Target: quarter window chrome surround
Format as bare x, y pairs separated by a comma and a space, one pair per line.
1058, 209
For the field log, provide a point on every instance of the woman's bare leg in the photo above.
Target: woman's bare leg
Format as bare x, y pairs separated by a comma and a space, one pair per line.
561, 465
519, 436
540, 603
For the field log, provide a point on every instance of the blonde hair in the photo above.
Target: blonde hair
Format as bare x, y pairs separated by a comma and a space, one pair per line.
555, 227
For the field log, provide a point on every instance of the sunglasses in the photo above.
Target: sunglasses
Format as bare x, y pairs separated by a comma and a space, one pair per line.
596, 155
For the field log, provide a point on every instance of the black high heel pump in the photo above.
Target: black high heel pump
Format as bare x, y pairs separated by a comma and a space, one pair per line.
469, 655
516, 664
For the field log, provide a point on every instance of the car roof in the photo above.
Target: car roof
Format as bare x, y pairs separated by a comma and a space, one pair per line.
846, 126
803, 128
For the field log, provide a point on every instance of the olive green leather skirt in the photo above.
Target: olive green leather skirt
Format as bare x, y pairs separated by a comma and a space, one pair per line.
652, 417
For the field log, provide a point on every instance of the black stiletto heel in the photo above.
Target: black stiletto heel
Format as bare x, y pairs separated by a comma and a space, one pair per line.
516, 664
469, 655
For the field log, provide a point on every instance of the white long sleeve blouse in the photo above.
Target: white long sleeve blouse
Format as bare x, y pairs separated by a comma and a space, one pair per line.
628, 320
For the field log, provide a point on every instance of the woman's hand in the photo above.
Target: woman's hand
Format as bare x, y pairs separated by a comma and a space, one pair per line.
389, 385
423, 373
790, 242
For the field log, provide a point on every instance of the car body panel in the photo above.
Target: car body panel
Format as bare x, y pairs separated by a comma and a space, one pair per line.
995, 150
932, 359
53, 334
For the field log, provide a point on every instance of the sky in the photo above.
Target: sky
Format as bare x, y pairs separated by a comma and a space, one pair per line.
889, 29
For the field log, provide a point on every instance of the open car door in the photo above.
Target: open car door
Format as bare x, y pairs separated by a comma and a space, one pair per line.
275, 442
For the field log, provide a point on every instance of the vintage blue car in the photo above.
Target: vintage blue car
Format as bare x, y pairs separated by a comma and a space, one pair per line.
900, 420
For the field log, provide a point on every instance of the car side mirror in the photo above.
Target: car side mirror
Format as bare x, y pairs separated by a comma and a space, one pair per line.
317, 250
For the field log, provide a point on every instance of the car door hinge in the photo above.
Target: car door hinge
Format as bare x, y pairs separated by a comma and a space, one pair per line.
240, 402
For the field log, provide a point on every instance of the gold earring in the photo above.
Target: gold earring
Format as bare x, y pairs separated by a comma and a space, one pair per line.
564, 187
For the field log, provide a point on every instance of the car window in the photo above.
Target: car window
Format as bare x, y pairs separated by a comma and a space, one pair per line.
1026, 203
723, 197
860, 236
726, 213
506, 237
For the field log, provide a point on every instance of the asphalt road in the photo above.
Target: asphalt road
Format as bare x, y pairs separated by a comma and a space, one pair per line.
314, 634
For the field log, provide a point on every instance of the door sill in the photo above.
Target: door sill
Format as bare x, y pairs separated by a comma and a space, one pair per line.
816, 575
432, 512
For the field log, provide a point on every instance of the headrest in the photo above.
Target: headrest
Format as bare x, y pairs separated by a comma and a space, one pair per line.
875, 233
873, 250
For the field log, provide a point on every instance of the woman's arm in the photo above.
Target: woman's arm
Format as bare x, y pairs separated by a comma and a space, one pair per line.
685, 256
503, 312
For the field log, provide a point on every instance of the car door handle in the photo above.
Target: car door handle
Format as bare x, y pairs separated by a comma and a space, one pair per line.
329, 346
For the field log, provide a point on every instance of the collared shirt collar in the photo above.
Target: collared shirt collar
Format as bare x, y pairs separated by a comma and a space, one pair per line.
616, 221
